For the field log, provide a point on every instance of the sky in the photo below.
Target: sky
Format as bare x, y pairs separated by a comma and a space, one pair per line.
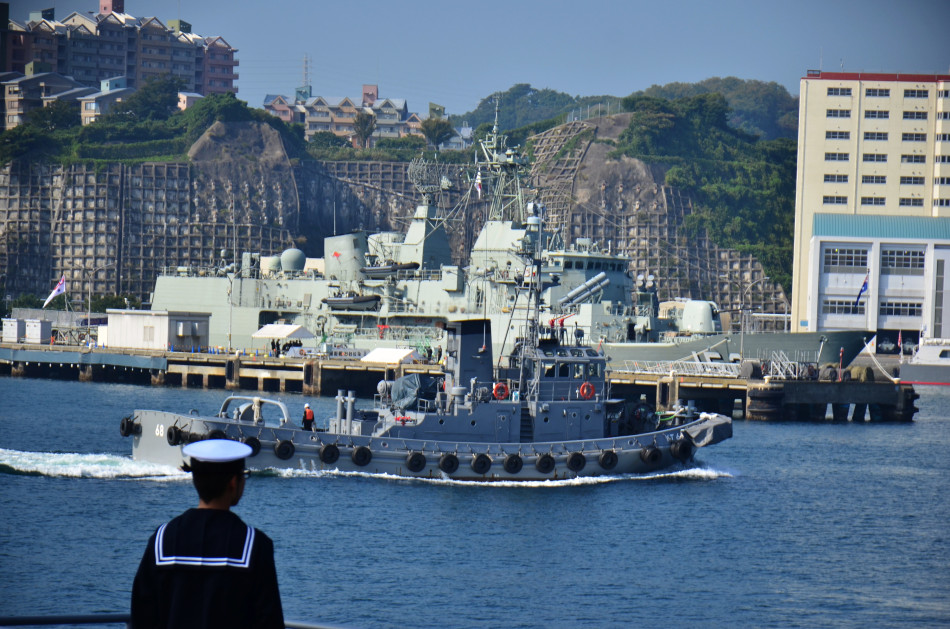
457, 53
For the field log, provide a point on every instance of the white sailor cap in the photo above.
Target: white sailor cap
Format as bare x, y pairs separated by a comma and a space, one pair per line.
217, 451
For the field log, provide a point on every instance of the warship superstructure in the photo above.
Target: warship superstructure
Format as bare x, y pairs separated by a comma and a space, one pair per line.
399, 289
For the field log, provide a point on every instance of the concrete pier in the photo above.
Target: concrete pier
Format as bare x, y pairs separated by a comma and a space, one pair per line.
759, 399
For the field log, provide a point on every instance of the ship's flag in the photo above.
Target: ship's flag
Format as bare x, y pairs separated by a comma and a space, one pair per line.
864, 288
478, 183
59, 290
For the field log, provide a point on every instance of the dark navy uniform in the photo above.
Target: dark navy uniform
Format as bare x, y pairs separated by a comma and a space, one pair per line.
206, 568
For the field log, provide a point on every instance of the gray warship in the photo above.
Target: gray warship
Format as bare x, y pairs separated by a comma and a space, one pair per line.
542, 412
394, 289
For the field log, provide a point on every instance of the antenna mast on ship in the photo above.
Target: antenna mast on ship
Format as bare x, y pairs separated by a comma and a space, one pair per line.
504, 165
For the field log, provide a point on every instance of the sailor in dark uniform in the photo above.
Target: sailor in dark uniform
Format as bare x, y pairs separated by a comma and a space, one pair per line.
206, 568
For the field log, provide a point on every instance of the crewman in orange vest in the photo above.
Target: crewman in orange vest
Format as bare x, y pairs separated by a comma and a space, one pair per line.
307, 417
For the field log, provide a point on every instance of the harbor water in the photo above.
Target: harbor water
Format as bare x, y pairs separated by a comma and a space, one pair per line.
784, 525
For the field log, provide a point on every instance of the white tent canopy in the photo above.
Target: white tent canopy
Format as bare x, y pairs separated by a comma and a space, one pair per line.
283, 331
391, 355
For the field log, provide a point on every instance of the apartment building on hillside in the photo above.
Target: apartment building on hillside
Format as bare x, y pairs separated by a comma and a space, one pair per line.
91, 48
336, 114
872, 207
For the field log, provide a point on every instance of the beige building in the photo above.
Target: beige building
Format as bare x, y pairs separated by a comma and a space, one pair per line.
873, 205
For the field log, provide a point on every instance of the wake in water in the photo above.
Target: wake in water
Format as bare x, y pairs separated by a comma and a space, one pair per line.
73, 465
695, 473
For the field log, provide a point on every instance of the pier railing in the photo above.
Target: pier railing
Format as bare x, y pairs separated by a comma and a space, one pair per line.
681, 368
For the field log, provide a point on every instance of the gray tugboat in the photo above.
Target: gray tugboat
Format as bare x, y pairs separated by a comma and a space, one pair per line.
544, 411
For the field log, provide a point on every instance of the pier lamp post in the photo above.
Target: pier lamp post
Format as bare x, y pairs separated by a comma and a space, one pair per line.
92, 278
743, 291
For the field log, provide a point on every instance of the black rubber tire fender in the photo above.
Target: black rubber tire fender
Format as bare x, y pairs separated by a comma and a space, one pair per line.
651, 455
329, 453
513, 463
361, 455
448, 463
576, 461
416, 462
173, 435
481, 463
254, 443
284, 449
545, 464
608, 459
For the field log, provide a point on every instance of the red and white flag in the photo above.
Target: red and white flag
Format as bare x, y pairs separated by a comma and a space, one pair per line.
59, 290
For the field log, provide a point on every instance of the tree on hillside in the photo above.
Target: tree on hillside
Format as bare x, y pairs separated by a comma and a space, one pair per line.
437, 131
363, 126
58, 115
156, 99
327, 140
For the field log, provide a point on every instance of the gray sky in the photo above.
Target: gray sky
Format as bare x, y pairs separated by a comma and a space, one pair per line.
456, 53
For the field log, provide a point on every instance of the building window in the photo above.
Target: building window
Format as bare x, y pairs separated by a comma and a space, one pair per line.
943, 115
872, 200
902, 308
832, 200
836, 178
912, 181
837, 135
874, 157
839, 91
915, 93
915, 115
902, 262
839, 113
877, 92
943, 94
876, 113
913, 159
943, 137
943, 159
875, 135
836, 157
914, 137
842, 260
941, 202
908, 202
942, 181
842, 307
873, 179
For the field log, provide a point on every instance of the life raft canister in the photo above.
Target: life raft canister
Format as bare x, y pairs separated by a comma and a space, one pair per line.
587, 390
500, 391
